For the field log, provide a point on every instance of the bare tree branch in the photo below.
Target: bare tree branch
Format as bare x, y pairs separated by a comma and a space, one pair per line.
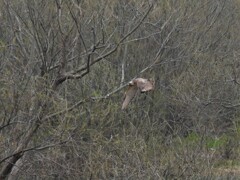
75, 74
36, 148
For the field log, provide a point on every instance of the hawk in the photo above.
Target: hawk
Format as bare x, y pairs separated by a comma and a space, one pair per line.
141, 84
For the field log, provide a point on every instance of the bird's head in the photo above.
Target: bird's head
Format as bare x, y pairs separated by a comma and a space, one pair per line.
131, 83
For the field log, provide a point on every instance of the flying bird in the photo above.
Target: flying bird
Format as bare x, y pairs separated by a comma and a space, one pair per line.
141, 84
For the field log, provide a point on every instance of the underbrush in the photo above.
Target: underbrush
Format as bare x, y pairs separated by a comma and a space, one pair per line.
135, 154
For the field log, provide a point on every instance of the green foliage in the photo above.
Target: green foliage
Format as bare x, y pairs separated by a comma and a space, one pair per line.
216, 143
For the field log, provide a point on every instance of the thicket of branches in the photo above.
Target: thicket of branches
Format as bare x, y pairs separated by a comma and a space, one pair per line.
63, 71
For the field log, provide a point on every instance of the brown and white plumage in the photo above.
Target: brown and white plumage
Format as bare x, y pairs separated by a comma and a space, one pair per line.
141, 84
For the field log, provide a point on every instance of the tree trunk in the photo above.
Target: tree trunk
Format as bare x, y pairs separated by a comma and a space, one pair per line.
18, 153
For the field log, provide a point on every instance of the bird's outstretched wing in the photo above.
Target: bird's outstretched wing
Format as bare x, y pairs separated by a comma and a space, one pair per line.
129, 95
